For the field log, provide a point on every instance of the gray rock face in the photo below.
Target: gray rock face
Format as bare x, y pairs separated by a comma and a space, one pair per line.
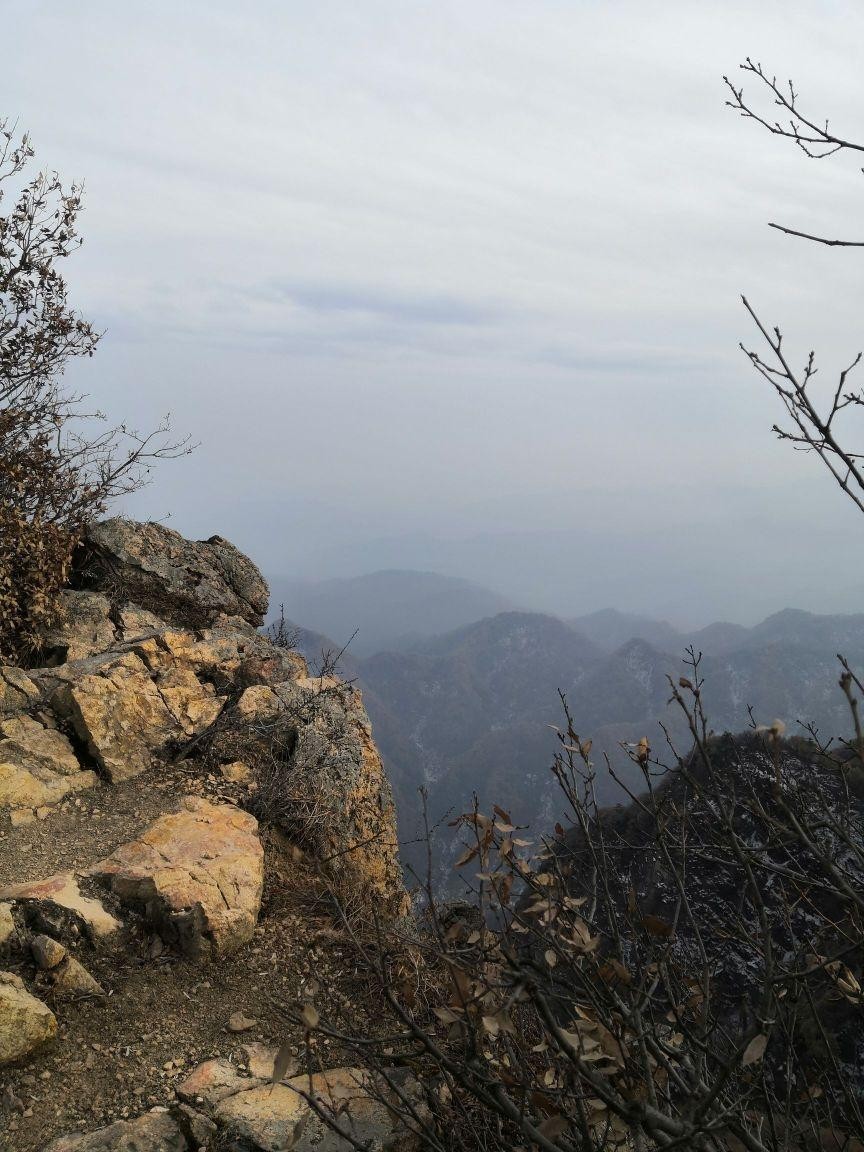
184, 581
83, 628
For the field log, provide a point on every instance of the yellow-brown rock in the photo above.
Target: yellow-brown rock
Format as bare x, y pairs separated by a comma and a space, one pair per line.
25, 1022
152, 1132
214, 1080
120, 714
8, 934
273, 1117
136, 623
258, 702
17, 690
38, 744
33, 788
37, 765
194, 706
70, 980
47, 952
198, 874
237, 772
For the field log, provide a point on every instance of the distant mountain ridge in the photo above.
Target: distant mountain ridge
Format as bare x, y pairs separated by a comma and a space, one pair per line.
391, 608
473, 710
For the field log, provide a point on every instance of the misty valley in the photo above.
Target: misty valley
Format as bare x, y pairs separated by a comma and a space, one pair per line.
472, 710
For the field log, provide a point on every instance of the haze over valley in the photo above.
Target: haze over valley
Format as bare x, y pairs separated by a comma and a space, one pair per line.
471, 708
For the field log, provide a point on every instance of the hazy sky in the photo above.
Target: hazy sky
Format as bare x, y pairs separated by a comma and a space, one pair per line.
456, 285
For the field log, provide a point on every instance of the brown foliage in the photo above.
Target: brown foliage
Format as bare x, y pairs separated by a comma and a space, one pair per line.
58, 468
685, 972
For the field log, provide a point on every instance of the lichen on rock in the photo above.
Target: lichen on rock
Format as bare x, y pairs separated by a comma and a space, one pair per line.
198, 874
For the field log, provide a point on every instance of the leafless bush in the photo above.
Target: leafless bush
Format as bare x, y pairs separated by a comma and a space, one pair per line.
58, 468
813, 419
282, 633
287, 790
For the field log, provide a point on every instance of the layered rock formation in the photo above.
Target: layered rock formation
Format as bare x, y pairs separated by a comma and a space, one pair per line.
163, 767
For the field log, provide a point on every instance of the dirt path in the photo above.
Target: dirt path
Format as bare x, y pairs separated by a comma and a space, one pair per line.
163, 1014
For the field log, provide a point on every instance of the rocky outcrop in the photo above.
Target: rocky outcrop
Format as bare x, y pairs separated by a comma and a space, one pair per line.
157, 648
198, 874
185, 582
25, 1022
157, 758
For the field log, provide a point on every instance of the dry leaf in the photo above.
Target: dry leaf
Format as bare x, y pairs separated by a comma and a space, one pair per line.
554, 1126
284, 1064
466, 857
310, 1016
657, 927
755, 1050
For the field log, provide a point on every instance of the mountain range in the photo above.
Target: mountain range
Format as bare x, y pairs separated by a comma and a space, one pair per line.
473, 710
386, 609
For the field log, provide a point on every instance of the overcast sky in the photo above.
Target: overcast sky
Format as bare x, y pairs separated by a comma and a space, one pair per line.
456, 285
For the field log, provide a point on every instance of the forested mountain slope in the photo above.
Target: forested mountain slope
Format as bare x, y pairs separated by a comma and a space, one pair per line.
474, 709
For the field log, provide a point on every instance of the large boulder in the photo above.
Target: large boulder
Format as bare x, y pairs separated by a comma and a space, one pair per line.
197, 873
178, 580
120, 714
25, 1022
38, 765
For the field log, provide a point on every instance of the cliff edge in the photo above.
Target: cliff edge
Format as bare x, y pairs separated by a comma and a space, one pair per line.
179, 802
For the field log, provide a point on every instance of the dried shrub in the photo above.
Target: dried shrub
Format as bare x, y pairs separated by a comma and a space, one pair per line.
684, 972
294, 755
60, 466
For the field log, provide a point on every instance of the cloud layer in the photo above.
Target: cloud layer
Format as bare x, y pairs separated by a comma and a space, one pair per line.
451, 272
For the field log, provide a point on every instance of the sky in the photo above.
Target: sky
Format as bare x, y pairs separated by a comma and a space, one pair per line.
457, 285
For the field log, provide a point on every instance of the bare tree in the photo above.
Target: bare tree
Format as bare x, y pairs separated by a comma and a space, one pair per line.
813, 419
60, 464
